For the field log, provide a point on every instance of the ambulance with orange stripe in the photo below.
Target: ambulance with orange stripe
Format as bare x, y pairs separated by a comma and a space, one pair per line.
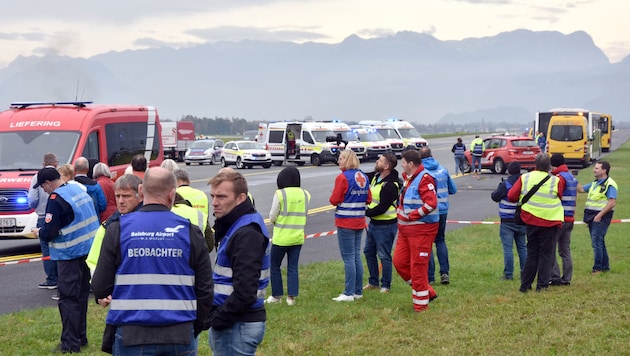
111, 134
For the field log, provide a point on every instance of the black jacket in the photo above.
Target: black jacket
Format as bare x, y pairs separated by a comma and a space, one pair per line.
388, 197
246, 250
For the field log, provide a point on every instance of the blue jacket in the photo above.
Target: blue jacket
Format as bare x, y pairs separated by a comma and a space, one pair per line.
445, 184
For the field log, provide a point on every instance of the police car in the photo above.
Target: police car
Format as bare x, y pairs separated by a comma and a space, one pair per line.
245, 154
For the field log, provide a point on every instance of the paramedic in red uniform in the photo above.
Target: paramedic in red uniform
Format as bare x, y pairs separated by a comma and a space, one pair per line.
418, 220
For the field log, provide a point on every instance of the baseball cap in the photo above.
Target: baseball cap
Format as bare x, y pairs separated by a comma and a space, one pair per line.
46, 174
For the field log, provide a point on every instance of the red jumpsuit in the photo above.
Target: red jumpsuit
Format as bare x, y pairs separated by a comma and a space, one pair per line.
413, 248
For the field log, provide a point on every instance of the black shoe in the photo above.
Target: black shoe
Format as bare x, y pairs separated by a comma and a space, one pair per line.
565, 283
506, 278
555, 282
60, 349
444, 278
541, 289
525, 290
433, 298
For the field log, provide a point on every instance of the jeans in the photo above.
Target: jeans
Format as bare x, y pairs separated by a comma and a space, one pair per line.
563, 241
379, 240
512, 233
350, 249
598, 232
476, 163
277, 255
241, 339
441, 249
50, 267
459, 164
153, 349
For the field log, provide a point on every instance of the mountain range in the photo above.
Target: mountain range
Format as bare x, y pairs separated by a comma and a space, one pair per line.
411, 76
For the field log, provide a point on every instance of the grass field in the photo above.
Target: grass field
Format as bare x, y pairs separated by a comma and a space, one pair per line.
476, 314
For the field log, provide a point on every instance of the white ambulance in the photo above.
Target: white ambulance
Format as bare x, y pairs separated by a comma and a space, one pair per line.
389, 134
348, 138
299, 142
375, 144
404, 130
111, 134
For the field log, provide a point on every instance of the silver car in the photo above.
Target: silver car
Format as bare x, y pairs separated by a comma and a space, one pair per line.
204, 151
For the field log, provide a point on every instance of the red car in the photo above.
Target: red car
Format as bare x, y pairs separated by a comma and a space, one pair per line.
502, 150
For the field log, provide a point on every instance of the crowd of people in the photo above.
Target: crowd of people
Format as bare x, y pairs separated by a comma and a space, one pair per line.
144, 239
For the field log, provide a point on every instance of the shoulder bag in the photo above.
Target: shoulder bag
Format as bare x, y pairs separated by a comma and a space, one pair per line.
517, 213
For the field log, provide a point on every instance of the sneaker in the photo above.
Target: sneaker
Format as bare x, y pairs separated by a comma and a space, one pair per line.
369, 287
506, 278
344, 298
433, 298
273, 300
290, 301
358, 296
47, 285
384, 290
55, 297
444, 278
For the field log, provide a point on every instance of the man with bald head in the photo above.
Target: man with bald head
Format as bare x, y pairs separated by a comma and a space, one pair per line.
154, 272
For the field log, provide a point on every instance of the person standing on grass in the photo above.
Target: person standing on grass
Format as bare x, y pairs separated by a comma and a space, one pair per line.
543, 214
288, 216
37, 199
510, 232
418, 223
70, 226
445, 187
598, 212
458, 151
350, 196
563, 239
241, 274
381, 233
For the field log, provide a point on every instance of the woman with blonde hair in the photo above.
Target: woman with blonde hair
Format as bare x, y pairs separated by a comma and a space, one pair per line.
351, 195
169, 164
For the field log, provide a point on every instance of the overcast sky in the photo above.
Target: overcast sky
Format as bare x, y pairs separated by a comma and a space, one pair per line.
85, 28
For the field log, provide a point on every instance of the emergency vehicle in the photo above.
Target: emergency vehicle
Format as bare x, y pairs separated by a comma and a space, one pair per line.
349, 139
389, 134
404, 130
111, 134
375, 144
299, 142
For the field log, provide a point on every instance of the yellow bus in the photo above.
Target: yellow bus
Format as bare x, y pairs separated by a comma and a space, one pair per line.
574, 133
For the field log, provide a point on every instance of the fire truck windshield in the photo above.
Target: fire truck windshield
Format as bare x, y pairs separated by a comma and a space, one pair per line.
25, 150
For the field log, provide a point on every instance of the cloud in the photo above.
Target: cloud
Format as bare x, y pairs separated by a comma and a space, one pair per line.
23, 36
239, 33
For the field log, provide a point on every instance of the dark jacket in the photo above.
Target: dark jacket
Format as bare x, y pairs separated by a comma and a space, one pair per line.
389, 196
246, 250
95, 191
501, 192
104, 278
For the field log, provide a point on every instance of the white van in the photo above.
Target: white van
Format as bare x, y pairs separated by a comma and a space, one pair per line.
299, 142
406, 132
348, 138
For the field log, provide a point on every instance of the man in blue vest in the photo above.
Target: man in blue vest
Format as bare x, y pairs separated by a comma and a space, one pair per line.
445, 187
70, 225
598, 212
241, 272
563, 239
154, 272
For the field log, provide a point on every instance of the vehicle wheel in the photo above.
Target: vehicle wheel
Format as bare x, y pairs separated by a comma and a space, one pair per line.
467, 167
188, 163
223, 162
300, 163
315, 160
498, 166
267, 165
277, 163
249, 166
211, 160
239, 163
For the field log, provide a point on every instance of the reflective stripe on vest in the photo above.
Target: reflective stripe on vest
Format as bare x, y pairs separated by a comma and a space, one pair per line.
195, 216
222, 271
545, 203
155, 272
354, 202
75, 239
411, 200
569, 195
288, 229
597, 199
506, 207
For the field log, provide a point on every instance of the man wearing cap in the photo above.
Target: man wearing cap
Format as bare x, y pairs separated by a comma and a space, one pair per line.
69, 228
509, 231
563, 239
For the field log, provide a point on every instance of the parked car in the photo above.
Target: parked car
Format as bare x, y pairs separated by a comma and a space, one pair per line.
245, 154
204, 151
502, 150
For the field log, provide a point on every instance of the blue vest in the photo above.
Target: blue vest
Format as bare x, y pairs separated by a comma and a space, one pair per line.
222, 271
75, 239
413, 201
459, 150
441, 180
354, 202
155, 284
569, 195
477, 148
506, 207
